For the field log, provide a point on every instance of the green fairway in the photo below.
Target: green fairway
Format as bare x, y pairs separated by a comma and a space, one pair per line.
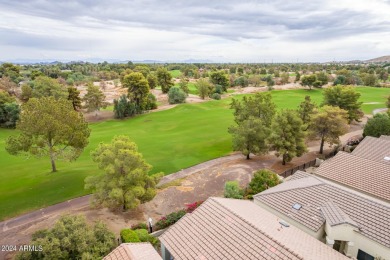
170, 140
175, 73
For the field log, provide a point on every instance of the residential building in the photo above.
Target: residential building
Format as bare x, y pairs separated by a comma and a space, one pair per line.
349, 221
375, 149
133, 251
370, 176
238, 229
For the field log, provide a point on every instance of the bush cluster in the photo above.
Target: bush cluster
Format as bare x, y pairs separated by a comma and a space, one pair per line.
137, 235
173, 217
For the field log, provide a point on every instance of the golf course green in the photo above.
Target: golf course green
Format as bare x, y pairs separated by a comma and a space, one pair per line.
170, 140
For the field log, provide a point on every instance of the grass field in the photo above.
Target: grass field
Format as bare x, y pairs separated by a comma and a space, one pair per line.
175, 73
170, 140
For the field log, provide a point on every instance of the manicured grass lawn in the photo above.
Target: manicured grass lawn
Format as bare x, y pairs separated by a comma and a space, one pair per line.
170, 140
175, 73
191, 87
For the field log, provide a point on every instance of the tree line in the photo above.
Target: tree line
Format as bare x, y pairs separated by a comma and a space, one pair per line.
259, 128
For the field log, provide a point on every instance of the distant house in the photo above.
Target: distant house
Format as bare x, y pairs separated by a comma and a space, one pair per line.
238, 229
133, 251
349, 221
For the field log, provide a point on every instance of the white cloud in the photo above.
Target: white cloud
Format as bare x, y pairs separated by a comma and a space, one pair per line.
236, 31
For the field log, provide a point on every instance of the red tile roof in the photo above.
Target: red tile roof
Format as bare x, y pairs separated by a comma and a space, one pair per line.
134, 251
375, 149
362, 174
371, 215
238, 229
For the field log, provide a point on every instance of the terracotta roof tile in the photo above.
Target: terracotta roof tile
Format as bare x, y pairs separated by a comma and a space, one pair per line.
371, 216
369, 176
134, 251
375, 149
385, 137
237, 229
335, 216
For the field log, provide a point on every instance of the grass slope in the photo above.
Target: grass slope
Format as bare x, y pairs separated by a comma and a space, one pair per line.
170, 140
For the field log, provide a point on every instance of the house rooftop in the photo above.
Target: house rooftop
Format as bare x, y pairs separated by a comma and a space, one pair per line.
133, 251
375, 149
369, 215
359, 173
385, 137
238, 229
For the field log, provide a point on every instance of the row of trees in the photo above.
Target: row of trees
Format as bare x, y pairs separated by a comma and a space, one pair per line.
260, 128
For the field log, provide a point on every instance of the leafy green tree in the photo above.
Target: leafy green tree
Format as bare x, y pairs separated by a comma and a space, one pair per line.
241, 81
284, 78
220, 78
138, 89
11, 71
369, 79
94, 99
184, 84
49, 127
288, 137
346, 98
8, 85
74, 97
9, 110
250, 136
297, 76
26, 93
142, 69
164, 79
151, 102
123, 107
262, 180
377, 126
306, 109
152, 80
309, 80
176, 96
328, 124
45, 87
258, 106
125, 182
340, 80
322, 77
71, 238
233, 190
204, 88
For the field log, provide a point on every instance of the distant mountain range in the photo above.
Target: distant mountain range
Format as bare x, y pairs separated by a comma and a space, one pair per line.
382, 59
379, 59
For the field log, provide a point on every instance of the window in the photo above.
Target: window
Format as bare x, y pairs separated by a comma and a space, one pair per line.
364, 256
297, 206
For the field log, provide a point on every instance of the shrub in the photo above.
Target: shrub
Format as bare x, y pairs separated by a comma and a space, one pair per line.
232, 190
261, 181
151, 102
218, 89
176, 96
377, 126
140, 225
129, 236
216, 96
144, 236
192, 206
170, 219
